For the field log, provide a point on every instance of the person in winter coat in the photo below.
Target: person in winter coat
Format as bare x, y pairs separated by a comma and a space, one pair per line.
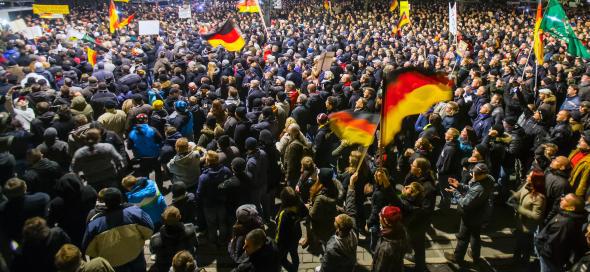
18, 207
40, 243
580, 161
473, 203
99, 162
182, 119
184, 201
113, 119
288, 232
562, 238
69, 258
293, 153
322, 209
211, 199
42, 173
186, 165
19, 109
561, 134
54, 149
340, 253
415, 218
158, 116
529, 203
383, 195
172, 237
257, 171
80, 107
392, 243
247, 219
325, 142
260, 252
484, 121
145, 142
583, 264
118, 233
70, 207
144, 193
448, 164
556, 185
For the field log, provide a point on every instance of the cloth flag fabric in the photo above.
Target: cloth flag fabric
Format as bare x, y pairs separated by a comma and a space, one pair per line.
410, 91
227, 36
355, 127
248, 6
453, 18
555, 22
113, 17
397, 30
327, 5
393, 6
91, 56
125, 21
538, 39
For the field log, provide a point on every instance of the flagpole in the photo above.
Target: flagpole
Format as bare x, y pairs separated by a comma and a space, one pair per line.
527, 62
262, 18
365, 149
536, 76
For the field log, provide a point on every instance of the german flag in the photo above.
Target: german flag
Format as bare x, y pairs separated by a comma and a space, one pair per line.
393, 6
227, 36
410, 91
538, 38
355, 127
125, 21
248, 6
113, 17
327, 4
91, 56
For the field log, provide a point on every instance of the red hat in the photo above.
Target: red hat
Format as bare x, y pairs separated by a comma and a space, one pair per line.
391, 214
141, 118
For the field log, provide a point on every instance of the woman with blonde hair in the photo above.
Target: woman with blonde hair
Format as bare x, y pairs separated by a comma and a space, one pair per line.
218, 112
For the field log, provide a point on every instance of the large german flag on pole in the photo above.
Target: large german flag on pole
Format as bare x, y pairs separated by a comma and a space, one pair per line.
538, 39
410, 92
227, 36
113, 17
248, 6
91, 56
355, 127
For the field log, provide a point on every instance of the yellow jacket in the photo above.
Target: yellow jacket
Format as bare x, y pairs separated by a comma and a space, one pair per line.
580, 175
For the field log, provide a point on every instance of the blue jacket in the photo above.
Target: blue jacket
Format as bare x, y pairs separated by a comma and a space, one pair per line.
183, 122
118, 235
482, 125
145, 142
145, 194
571, 103
208, 192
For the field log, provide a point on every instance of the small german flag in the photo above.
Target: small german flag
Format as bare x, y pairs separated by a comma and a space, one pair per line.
125, 21
355, 127
248, 6
91, 56
393, 6
227, 36
410, 91
327, 5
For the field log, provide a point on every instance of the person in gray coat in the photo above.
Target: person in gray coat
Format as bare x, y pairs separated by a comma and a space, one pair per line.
186, 165
340, 255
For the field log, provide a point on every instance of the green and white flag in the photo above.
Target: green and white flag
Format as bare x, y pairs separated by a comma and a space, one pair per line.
556, 23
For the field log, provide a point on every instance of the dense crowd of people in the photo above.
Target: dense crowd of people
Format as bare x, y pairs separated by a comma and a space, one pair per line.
169, 140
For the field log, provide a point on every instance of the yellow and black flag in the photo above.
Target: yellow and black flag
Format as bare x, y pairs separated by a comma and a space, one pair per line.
227, 36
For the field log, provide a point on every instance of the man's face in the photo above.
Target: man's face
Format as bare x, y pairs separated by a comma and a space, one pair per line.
583, 145
571, 91
564, 203
562, 116
249, 247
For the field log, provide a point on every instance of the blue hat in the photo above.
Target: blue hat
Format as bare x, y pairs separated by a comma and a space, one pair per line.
180, 105
250, 143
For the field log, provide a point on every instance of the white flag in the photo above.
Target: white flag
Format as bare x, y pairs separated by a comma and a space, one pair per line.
453, 19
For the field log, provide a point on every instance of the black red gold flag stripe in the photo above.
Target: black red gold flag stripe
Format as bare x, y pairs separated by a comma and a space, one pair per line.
227, 36
355, 127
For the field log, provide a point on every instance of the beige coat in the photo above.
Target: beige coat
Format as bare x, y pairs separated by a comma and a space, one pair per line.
530, 210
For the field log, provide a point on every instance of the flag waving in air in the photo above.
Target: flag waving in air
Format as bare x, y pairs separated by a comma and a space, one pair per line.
410, 91
355, 127
393, 6
113, 17
327, 5
125, 21
538, 39
91, 56
556, 23
397, 30
248, 6
227, 36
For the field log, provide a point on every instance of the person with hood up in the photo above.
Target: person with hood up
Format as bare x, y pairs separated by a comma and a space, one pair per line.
186, 165
145, 142
21, 111
182, 119
71, 205
80, 107
172, 237
340, 253
54, 149
247, 219
392, 243
144, 193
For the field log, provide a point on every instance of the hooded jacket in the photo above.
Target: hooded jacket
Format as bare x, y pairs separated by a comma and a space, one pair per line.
145, 141
146, 195
170, 240
340, 255
42, 176
79, 106
186, 168
71, 205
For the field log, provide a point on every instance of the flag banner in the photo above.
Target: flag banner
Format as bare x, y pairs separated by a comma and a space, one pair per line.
556, 23
227, 36
410, 91
54, 9
393, 6
453, 19
355, 127
149, 27
404, 7
248, 6
113, 17
91, 56
51, 16
123, 1
125, 21
538, 39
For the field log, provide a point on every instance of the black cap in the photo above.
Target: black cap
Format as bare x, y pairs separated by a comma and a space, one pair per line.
112, 198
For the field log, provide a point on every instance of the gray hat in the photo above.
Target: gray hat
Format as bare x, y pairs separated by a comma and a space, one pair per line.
246, 213
480, 169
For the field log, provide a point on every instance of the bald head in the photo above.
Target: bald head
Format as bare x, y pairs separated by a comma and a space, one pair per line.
560, 163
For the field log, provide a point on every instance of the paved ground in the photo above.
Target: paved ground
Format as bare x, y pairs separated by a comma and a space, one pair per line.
497, 244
